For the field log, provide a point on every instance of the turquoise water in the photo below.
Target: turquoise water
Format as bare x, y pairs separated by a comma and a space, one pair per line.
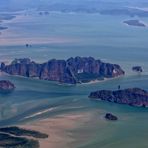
40, 95
104, 37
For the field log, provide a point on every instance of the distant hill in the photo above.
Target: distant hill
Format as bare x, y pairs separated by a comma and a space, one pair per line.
90, 6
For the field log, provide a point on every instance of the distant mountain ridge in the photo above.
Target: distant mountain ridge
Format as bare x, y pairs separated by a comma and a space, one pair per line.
70, 5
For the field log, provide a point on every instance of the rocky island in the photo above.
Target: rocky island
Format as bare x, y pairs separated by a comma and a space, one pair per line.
6, 86
111, 117
137, 69
136, 23
132, 96
71, 71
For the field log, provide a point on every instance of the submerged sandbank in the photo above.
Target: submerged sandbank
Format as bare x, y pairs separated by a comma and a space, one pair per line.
59, 129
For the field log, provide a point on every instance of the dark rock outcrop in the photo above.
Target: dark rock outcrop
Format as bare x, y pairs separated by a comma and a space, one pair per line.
111, 117
131, 96
9, 141
3, 28
6, 86
16, 137
134, 23
137, 69
71, 71
17, 131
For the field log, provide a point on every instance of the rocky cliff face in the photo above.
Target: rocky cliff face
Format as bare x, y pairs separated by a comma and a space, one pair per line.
74, 70
131, 96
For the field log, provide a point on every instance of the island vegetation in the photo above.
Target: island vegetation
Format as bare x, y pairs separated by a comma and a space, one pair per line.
71, 71
15, 137
131, 96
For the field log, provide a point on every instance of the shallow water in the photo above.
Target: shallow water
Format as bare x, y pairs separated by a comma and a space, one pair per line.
103, 37
39, 96
61, 36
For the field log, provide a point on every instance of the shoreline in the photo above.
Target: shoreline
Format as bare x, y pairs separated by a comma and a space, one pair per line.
63, 84
99, 81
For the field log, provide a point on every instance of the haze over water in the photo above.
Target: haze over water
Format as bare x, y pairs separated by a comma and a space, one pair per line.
60, 36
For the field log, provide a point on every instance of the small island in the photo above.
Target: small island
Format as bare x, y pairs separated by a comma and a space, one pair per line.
131, 96
71, 71
43, 13
111, 117
3, 28
137, 69
19, 137
136, 23
6, 86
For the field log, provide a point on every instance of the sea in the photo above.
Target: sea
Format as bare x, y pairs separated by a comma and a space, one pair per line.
64, 35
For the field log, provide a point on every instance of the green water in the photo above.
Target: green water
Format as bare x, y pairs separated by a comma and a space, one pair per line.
103, 37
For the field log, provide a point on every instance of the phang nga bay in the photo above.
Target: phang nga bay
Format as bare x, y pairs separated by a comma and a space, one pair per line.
73, 74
